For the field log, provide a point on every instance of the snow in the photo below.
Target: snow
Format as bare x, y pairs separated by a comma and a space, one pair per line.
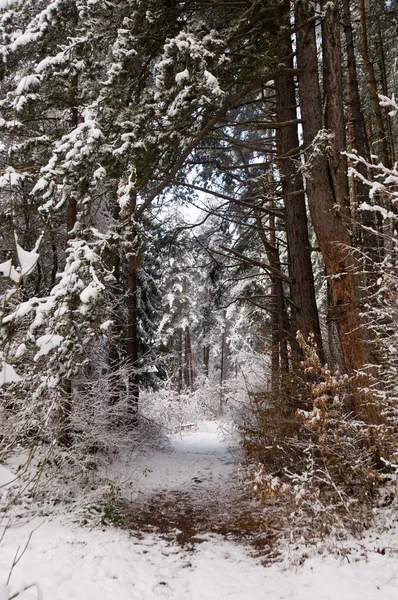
41, 184
10, 178
212, 82
201, 454
8, 3
46, 343
7, 269
20, 103
7, 373
365, 206
90, 293
20, 351
182, 76
4, 592
23, 309
106, 325
26, 259
94, 288
6, 477
71, 561
27, 82
100, 173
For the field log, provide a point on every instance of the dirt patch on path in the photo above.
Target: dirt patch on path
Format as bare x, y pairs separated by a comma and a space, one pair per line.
192, 489
184, 517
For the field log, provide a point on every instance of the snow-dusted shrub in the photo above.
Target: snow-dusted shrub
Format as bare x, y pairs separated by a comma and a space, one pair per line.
252, 376
171, 409
209, 398
308, 455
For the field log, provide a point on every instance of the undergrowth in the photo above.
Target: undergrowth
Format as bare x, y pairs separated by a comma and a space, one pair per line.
308, 459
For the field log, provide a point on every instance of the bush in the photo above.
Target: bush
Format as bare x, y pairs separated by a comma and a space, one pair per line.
308, 455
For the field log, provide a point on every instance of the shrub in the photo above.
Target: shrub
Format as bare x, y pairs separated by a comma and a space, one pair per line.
308, 455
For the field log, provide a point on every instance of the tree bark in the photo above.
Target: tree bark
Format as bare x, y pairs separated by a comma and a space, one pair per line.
384, 86
206, 359
180, 359
304, 309
117, 386
333, 238
222, 370
66, 405
188, 367
280, 321
382, 141
359, 140
333, 104
359, 143
133, 260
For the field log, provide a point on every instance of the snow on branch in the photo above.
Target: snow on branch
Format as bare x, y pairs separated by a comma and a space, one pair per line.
7, 373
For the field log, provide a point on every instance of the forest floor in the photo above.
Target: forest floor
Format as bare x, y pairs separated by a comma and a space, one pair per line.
191, 488
184, 531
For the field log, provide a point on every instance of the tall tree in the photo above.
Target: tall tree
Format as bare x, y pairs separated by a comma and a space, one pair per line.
333, 237
304, 307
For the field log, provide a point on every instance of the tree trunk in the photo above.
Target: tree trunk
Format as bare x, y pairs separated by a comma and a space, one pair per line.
117, 388
133, 261
64, 413
333, 104
64, 436
384, 86
359, 142
132, 339
280, 321
304, 309
188, 367
222, 370
180, 359
382, 141
333, 238
206, 359
275, 338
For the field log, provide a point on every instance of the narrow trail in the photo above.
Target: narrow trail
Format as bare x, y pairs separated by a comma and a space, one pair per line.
180, 540
194, 488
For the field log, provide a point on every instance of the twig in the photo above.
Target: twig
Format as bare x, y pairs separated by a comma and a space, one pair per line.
17, 557
27, 587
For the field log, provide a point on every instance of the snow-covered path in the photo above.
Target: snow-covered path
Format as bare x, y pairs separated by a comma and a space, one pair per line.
189, 488
193, 455
71, 562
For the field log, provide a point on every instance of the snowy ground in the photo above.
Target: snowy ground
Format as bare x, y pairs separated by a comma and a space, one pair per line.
193, 456
68, 561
